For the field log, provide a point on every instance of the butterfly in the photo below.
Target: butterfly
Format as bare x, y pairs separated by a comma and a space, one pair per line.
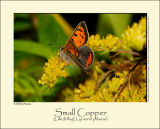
75, 52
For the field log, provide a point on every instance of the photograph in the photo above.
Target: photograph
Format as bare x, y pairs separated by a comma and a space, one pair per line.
80, 57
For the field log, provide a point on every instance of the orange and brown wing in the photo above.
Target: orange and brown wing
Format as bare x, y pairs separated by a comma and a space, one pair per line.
77, 39
80, 34
70, 47
86, 56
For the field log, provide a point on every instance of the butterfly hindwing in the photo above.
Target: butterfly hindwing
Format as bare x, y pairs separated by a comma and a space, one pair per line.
86, 56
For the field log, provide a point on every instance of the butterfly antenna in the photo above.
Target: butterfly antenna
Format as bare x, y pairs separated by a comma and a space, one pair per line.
53, 45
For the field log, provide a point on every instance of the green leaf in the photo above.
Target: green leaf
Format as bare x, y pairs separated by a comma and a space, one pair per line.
103, 55
32, 69
61, 82
21, 15
22, 22
22, 25
113, 23
26, 85
18, 56
72, 70
33, 48
50, 32
52, 94
33, 82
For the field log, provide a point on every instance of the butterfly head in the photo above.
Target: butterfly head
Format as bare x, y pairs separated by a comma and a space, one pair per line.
62, 52
61, 49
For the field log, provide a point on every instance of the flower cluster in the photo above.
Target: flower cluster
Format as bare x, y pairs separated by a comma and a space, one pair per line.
125, 83
53, 69
108, 43
135, 36
133, 92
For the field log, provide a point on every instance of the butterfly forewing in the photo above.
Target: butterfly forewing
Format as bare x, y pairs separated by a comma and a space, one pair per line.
80, 35
78, 38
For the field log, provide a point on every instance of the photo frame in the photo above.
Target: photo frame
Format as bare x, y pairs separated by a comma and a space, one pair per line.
110, 115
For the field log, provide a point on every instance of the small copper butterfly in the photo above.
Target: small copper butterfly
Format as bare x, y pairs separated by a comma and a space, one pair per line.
75, 52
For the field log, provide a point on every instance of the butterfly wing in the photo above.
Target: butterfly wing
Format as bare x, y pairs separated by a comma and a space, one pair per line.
86, 56
80, 35
81, 56
77, 39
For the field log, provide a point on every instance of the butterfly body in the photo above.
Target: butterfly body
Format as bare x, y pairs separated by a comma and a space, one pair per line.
74, 51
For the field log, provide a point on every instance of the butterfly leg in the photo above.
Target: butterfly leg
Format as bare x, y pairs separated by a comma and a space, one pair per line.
60, 59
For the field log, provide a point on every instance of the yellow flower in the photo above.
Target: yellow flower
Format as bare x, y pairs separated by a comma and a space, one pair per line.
94, 42
135, 36
53, 69
116, 86
110, 42
87, 89
66, 95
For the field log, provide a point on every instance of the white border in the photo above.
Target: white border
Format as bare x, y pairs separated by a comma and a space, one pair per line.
39, 115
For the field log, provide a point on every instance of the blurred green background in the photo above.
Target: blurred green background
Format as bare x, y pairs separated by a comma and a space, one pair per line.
32, 35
